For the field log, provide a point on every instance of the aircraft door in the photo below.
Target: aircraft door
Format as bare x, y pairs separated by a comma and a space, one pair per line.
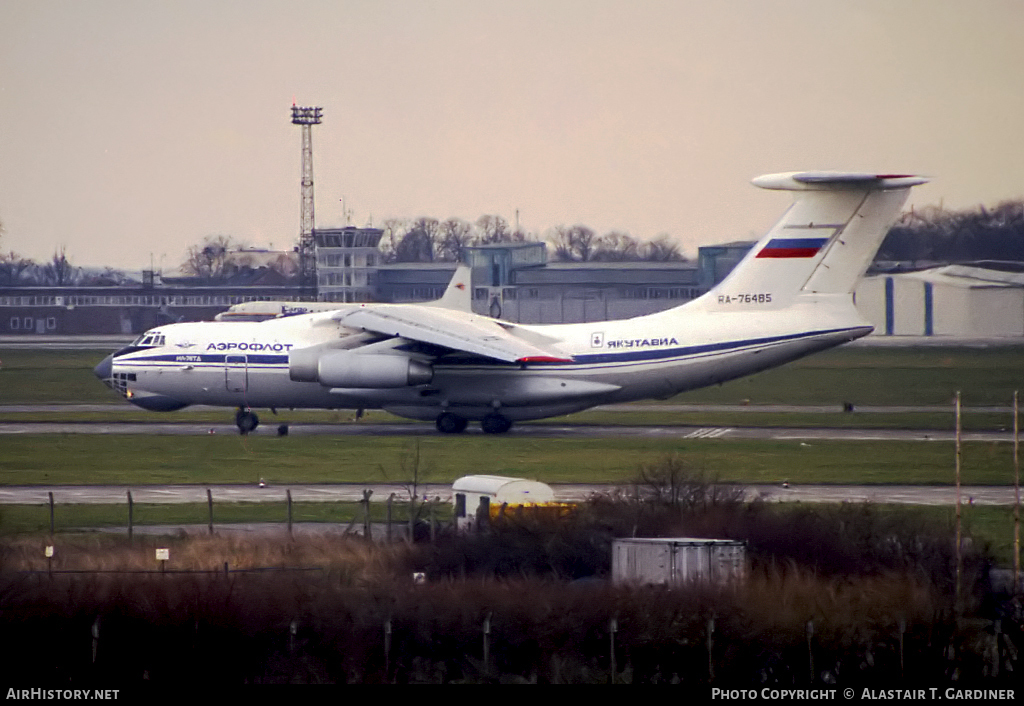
236, 373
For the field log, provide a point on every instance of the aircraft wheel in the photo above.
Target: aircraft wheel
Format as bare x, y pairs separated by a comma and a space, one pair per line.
449, 423
495, 424
246, 420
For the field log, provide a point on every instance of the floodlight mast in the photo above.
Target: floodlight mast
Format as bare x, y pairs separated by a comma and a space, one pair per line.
307, 117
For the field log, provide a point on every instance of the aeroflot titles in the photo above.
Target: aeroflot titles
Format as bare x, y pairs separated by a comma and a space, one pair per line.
642, 342
276, 347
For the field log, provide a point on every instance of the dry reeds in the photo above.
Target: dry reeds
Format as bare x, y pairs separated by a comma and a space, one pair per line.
833, 595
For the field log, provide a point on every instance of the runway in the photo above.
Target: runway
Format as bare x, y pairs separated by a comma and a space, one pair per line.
805, 435
564, 492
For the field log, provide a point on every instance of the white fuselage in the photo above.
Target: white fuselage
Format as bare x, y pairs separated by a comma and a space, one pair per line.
791, 295
246, 364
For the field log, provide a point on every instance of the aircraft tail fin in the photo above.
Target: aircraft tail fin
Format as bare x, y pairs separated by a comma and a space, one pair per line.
823, 243
459, 294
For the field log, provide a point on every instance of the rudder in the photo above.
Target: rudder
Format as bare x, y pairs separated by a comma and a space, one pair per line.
822, 244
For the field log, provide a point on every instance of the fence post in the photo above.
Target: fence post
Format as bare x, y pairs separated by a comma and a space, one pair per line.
366, 515
613, 627
997, 652
903, 629
487, 645
209, 506
387, 648
288, 496
95, 638
51, 513
412, 518
130, 509
810, 650
391, 499
711, 647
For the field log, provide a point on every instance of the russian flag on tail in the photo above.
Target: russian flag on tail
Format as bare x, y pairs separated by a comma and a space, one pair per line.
792, 247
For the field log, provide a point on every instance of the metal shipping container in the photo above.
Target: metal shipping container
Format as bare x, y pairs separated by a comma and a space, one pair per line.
678, 560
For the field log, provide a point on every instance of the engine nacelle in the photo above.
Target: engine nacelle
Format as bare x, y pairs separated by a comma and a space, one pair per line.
342, 368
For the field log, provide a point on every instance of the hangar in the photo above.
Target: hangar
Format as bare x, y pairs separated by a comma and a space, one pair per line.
984, 299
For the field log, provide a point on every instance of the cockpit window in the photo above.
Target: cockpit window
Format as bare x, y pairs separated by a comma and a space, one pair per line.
149, 340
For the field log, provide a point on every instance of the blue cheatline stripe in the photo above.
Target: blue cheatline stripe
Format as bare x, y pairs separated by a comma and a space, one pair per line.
187, 358
640, 356
661, 354
795, 243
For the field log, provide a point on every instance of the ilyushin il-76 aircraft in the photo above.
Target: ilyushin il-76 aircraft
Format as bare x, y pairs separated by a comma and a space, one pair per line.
792, 295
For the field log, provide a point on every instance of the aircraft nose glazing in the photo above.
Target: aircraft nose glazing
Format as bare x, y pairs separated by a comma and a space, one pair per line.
104, 370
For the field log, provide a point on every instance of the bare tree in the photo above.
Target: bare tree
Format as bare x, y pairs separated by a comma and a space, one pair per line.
617, 247
210, 258
456, 234
421, 242
674, 481
394, 230
13, 269
574, 243
493, 229
59, 271
661, 249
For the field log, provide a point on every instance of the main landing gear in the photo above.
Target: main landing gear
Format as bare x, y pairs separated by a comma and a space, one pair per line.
495, 424
448, 423
246, 420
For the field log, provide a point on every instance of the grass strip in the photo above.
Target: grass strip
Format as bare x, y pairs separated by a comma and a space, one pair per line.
20, 519
81, 459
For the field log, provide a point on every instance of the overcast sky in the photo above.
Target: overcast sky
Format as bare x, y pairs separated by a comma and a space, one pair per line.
131, 130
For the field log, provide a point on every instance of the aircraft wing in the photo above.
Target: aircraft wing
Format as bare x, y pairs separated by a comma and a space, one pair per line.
455, 330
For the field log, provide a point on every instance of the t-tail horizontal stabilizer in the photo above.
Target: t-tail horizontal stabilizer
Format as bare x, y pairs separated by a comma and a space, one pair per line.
824, 242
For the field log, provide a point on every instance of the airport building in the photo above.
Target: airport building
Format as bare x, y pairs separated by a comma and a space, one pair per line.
516, 282
346, 263
980, 300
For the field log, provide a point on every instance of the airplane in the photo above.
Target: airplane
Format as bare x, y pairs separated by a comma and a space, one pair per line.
456, 296
790, 296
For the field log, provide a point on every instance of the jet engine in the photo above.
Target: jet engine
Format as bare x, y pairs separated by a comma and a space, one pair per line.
346, 368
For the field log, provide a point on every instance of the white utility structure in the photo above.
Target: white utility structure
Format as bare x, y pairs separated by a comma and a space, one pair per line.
469, 491
678, 560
